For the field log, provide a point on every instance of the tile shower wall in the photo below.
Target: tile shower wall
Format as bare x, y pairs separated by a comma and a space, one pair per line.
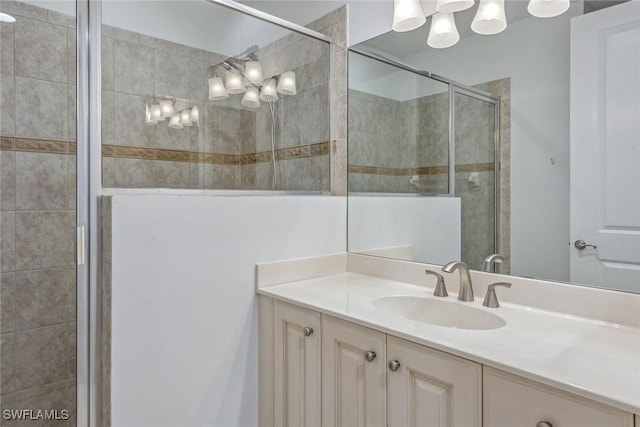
231, 148
37, 202
391, 141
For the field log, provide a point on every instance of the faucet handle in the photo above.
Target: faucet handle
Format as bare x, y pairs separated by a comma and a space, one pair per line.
441, 289
491, 299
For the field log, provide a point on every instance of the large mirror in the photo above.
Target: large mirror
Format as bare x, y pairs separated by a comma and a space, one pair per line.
517, 153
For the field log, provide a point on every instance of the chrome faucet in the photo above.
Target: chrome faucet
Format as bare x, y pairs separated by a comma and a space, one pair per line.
465, 293
440, 290
489, 263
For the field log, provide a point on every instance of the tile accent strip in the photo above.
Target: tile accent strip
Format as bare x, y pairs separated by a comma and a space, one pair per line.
427, 170
8, 143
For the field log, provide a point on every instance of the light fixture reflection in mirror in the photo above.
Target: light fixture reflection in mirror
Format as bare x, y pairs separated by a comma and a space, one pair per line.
443, 32
556, 190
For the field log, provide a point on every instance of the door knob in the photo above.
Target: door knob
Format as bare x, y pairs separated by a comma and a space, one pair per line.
581, 244
394, 365
307, 331
370, 355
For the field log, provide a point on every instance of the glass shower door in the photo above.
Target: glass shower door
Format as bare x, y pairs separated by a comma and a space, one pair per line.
38, 213
475, 124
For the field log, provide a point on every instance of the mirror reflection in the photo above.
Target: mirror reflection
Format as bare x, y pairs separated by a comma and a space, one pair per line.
515, 152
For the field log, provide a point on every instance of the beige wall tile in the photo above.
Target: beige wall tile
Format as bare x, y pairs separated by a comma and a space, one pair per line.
133, 68
7, 180
107, 63
7, 64
35, 40
43, 240
8, 363
7, 302
58, 343
43, 298
42, 181
41, 109
8, 105
7, 241
23, 9
129, 125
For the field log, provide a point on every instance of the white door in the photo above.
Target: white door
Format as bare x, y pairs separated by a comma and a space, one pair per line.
605, 147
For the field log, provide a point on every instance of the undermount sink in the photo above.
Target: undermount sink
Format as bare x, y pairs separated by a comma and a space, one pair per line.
439, 312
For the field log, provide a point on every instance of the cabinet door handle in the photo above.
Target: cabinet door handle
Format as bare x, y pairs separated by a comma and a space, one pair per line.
307, 331
394, 365
370, 355
544, 424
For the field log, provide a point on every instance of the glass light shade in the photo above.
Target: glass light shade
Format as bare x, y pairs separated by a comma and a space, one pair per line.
287, 83
269, 92
490, 18
235, 84
447, 6
547, 8
195, 114
216, 89
175, 122
6, 18
156, 113
253, 71
185, 118
407, 15
443, 32
251, 97
166, 108
147, 116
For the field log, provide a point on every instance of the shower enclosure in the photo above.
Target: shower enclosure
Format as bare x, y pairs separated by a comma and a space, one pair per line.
415, 134
105, 98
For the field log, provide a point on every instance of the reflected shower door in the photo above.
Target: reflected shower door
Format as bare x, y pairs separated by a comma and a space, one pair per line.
475, 136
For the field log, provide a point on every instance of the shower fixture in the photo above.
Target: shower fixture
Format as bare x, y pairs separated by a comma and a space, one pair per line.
243, 74
180, 112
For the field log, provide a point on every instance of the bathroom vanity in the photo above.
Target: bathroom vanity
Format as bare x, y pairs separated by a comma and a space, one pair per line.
354, 340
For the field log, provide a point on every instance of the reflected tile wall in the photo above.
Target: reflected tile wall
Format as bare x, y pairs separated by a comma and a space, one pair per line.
227, 149
37, 202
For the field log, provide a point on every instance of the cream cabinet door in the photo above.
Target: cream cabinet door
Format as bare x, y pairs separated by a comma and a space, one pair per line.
513, 401
297, 369
353, 375
430, 388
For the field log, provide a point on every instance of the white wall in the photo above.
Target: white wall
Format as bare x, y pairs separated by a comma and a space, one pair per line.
184, 343
534, 53
429, 225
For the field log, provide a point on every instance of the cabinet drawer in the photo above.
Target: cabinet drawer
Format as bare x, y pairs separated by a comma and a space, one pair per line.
511, 401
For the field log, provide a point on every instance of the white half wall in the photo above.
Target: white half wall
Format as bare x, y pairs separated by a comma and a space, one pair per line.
396, 226
184, 328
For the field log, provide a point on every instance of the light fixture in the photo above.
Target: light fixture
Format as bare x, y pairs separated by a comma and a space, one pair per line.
447, 6
407, 15
174, 123
490, 18
235, 84
443, 32
155, 112
287, 83
7, 18
547, 8
166, 108
269, 92
251, 97
185, 118
216, 89
148, 120
195, 114
253, 72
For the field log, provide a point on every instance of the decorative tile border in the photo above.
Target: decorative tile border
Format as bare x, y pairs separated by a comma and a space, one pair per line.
8, 143
427, 170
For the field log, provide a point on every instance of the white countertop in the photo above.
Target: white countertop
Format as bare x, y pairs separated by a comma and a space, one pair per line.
590, 358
